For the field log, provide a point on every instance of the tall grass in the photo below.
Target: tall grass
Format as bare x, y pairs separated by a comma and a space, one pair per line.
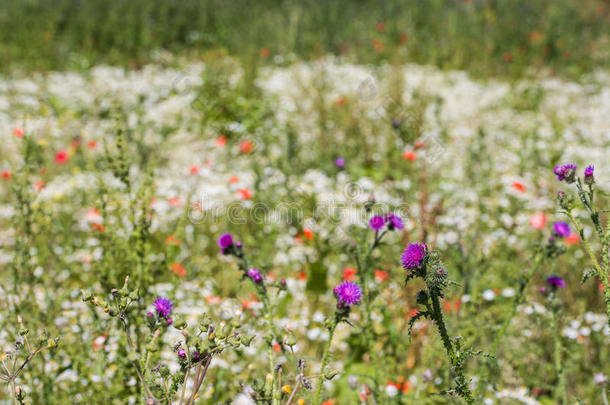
484, 36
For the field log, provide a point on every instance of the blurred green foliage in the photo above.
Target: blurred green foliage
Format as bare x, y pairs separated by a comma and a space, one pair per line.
484, 36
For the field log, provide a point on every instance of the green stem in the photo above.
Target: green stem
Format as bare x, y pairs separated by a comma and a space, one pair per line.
561, 385
602, 271
462, 383
518, 300
325, 359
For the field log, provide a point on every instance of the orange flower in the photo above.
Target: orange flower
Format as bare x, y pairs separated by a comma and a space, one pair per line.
92, 144
264, 52
538, 220
213, 299
377, 45
178, 269
302, 275
349, 274
39, 185
194, 169
233, 179
381, 276
380, 26
419, 144
572, 239
409, 155
340, 101
412, 312
97, 227
18, 132
245, 193
6, 174
246, 146
308, 233
175, 202
170, 240
535, 36
221, 141
519, 186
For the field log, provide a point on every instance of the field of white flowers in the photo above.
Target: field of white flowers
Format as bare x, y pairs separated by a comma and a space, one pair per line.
113, 173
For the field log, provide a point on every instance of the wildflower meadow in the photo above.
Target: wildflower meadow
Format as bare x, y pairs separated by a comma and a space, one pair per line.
305, 203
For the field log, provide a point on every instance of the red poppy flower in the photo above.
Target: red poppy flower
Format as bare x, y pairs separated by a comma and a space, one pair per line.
519, 186
308, 233
409, 155
246, 146
381, 276
178, 269
61, 157
349, 274
245, 193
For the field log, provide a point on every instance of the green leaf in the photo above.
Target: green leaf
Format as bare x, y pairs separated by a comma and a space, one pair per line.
587, 274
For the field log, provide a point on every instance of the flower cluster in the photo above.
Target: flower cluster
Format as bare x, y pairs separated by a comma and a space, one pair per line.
393, 222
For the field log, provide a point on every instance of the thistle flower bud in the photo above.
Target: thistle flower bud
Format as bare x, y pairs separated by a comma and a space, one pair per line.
246, 340
86, 295
152, 347
179, 323
589, 179
135, 294
566, 202
164, 371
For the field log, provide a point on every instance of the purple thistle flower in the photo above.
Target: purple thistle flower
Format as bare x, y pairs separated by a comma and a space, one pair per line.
255, 275
377, 222
394, 221
561, 229
556, 281
225, 241
589, 171
164, 307
347, 294
565, 172
339, 162
181, 352
413, 255
589, 174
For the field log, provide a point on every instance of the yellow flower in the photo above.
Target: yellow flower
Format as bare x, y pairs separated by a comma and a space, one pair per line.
286, 389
